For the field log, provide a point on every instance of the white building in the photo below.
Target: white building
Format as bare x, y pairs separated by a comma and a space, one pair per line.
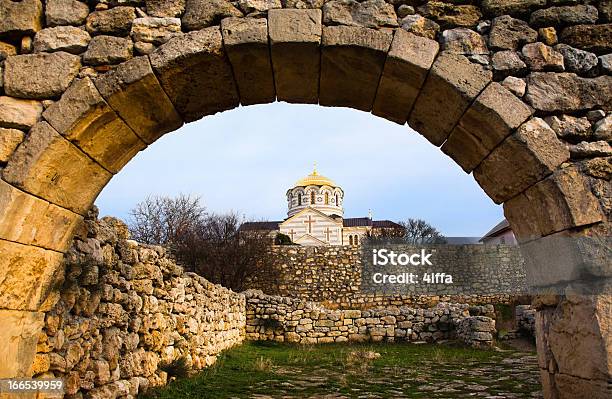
315, 216
500, 234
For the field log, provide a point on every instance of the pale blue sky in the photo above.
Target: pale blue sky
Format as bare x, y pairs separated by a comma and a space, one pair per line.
245, 159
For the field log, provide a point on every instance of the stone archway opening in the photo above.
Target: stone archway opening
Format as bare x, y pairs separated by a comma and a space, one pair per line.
345, 55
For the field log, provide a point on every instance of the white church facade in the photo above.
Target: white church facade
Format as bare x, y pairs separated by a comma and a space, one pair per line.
315, 216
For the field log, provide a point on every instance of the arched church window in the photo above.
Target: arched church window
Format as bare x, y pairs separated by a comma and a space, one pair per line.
299, 199
356, 240
350, 240
326, 198
337, 203
312, 197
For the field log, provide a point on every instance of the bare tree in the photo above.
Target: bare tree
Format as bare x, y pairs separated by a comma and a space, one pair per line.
418, 231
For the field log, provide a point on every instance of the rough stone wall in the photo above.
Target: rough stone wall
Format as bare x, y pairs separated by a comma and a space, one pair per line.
294, 320
332, 275
125, 310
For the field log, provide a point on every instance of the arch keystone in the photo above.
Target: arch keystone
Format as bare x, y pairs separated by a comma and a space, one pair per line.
451, 86
133, 91
49, 166
523, 159
352, 61
488, 121
295, 38
83, 117
246, 44
195, 72
405, 70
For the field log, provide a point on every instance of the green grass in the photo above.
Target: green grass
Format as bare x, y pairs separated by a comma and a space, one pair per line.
402, 370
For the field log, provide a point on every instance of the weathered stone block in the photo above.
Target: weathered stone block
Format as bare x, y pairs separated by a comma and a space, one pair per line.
155, 30
190, 65
295, 37
577, 61
593, 38
66, 12
134, 92
62, 38
9, 140
352, 60
105, 50
116, 21
406, 67
7, 50
507, 63
490, 119
540, 57
523, 159
463, 41
566, 92
40, 75
201, 14
508, 33
246, 43
165, 8
258, 6
451, 15
511, 7
451, 85
20, 17
19, 114
564, 15
559, 202
368, 14
420, 26
83, 117
21, 329
50, 167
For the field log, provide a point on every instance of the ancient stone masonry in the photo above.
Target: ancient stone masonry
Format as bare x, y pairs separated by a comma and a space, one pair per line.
333, 276
127, 309
287, 319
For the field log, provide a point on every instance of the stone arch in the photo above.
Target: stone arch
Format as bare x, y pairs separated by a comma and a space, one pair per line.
466, 95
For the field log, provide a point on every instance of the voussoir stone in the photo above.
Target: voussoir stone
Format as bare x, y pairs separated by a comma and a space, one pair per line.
18, 113
594, 38
62, 38
493, 116
575, 60
511, 7
420, 26
246, 44
566, 92
509, 33
564, 15
200, 14
49, 166
155, 30
134, 92
105, 50
463, 41
352, 60
192, 64
66, 12
523, 159
295, 38
165, 8
559, 202
540, 57
20, 17
9, 140
369, 14
84, 118
450, 15
42, 75
453, 82
249, 6
406, 67
116, 21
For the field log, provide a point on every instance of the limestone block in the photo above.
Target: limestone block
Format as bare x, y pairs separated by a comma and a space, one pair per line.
246, 43
20, 17
593, 38
40, 76
523, 159
62, 38
295, 38
450, 87
9, 140
30, 220
463, 41
165, 8
559, 202
192, 64
368, 14
451, 15
83, 117
490, 119
540, 57
420, 26
201, 14
19, 114
134, 92
108, 50
352, 60
20, 331
66, 12
406, 67
7, 50
50, 167
566, 92
564, 15
155, 30
511, 7
116, 21
254, 6
508, 33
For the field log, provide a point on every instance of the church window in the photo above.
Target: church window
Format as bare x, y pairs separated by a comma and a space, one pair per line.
299, 199
326, 198
356, 240
337, 203
350, 240
312, 197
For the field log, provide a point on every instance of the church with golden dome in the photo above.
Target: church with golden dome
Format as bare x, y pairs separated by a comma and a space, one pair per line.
315, 216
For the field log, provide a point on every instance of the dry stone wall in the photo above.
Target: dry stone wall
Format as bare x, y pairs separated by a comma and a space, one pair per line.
332, 275
126, 309
293, 320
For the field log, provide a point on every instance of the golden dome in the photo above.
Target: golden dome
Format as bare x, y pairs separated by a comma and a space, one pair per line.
315, 179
